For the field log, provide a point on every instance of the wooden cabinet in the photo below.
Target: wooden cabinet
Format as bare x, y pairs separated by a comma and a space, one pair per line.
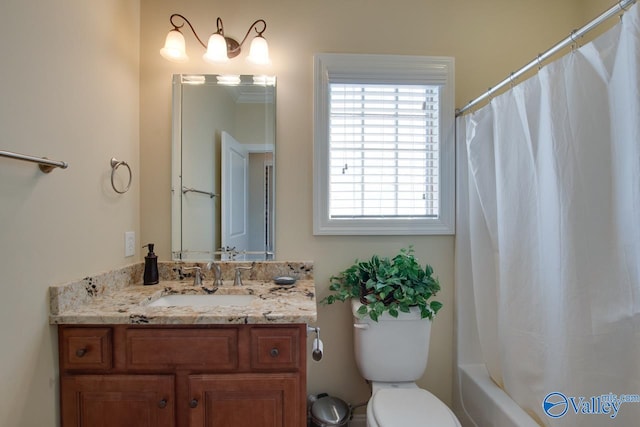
117, 400
162, 376
259, 400
85, 348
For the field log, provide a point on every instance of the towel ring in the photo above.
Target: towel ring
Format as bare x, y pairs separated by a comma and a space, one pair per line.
115, 164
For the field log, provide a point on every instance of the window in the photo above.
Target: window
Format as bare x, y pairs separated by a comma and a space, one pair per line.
383, 151
383, 145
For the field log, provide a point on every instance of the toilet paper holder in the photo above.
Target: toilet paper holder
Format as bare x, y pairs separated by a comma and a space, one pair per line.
318, 348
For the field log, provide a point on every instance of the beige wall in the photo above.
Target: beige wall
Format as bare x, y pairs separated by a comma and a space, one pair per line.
488, 40
68, 91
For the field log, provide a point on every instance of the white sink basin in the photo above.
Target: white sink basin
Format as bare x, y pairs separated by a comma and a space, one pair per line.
202, 300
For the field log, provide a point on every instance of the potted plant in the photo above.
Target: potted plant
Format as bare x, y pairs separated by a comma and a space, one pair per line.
387, 285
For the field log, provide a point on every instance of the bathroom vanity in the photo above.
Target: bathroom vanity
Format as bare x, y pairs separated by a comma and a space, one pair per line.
127, 361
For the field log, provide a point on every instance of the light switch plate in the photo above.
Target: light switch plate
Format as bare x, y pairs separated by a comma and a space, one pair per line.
129, 243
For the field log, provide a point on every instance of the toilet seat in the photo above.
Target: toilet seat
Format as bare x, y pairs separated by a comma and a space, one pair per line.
402, 407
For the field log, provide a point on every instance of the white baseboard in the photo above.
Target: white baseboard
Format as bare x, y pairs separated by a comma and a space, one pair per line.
358, 420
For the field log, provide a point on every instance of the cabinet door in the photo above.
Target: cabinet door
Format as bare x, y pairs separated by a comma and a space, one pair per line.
244, 400
117, 401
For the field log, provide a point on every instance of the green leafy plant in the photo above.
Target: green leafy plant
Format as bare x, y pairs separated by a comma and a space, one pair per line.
390, 285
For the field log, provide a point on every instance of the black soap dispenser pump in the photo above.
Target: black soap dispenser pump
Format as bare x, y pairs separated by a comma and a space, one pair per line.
151, 276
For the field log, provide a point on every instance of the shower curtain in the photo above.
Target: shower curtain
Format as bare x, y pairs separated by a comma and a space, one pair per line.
553, 225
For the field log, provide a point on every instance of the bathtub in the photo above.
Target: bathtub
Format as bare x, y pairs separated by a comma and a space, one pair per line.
484, 403
477, 400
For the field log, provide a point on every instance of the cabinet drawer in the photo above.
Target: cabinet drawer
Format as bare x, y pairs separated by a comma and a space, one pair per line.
275, 348
86, 348
205, 349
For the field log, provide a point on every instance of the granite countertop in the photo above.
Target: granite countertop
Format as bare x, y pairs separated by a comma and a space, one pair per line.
118, 297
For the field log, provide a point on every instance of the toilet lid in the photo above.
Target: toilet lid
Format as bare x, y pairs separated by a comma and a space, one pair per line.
396, 407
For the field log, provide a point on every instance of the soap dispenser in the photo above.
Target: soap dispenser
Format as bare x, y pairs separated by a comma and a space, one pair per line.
151, 276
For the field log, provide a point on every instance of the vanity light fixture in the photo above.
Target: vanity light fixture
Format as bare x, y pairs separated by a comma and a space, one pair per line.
220, 48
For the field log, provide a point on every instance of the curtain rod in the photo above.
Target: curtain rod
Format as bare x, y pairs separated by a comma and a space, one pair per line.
621, 6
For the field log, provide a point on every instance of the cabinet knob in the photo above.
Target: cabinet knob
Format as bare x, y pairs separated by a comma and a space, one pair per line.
81, 352
162, 404
274, 352
193, 403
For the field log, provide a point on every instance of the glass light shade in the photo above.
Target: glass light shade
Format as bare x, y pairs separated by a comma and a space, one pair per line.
259, 52
174, 47
216, 49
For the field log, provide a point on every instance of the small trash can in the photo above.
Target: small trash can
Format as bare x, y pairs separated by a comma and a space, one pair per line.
328, 411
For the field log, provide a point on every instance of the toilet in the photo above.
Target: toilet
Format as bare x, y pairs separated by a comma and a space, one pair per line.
392, 355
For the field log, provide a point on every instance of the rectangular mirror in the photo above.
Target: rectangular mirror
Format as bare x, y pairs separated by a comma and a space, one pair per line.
223, 170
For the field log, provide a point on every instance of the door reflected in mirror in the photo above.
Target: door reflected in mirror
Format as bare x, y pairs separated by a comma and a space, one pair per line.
223, 170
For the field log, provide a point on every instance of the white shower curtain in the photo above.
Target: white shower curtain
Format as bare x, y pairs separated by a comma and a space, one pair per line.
554, 225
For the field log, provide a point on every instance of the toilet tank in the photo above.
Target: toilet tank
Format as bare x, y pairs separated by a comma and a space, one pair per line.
391, 349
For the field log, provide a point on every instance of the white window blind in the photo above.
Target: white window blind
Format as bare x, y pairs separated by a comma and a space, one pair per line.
383, 150
383, 145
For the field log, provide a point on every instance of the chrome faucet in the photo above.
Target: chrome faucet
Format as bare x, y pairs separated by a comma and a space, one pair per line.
197, 277
237, 281
217, 274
